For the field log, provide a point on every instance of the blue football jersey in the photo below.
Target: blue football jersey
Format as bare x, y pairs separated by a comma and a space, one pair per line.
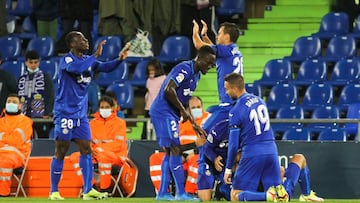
216, 142
251, 116
228, 60
74, 77
186, 80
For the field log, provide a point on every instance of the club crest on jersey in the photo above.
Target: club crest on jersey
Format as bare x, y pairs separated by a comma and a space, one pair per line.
65, 131
180, 77
68, 59
210, 138
175, 135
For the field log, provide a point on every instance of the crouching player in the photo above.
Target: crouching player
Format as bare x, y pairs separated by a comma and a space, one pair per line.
212, 157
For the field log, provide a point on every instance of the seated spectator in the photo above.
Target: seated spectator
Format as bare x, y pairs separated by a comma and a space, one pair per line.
109, 142
16, 131
8, 84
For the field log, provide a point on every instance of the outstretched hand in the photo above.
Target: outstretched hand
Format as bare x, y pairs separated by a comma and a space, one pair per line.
204, 28
195, 27
124, 52
99, 48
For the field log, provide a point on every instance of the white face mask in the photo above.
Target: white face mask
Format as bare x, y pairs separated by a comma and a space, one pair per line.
31, 70
11, 107
105, 112
196, 113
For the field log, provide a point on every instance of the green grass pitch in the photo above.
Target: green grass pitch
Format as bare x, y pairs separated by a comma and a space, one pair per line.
131, 200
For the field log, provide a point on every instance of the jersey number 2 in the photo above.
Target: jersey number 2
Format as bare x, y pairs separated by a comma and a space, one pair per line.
260, 116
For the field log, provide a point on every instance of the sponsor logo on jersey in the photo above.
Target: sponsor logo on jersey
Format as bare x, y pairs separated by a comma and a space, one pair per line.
188, 92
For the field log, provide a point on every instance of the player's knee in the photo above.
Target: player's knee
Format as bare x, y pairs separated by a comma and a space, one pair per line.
175, 150
234, 196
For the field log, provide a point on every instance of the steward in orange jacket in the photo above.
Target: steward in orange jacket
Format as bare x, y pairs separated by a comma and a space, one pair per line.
109, 142
15, 145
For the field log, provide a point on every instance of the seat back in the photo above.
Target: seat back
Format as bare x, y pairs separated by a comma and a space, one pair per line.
175, 49
50, 67
22, 8
94, 95
253, 88
140, 74
276, 71
341, 47
230, 7
349, 94
282, 95
16, 68
333, 24
311, 71
299, 134
44, 46
294, 112
111, 49
10, 48
345, 71
353, 112
306, 47
119, 75
334, 134
318, 95
124, 94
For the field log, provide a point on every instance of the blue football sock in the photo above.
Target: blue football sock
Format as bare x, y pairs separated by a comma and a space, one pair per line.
165, 176
251, 196
56, 168
177, 170
292, 174
304, 181
87, 169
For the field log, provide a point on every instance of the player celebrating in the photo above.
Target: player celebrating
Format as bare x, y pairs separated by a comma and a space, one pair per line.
70, 110
250, 132
228, 60
165, 114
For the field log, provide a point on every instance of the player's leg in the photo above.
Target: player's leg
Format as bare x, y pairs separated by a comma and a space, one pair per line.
292, 173
63, 136
161, 131
205, 181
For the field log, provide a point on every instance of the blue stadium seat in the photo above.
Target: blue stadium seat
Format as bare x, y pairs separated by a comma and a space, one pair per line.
340, 47
333, 24
276, 71
119, 75
231, 7
353, 112
282, 95
253, 89
175, 49
356, 30
44, 46
22, 8
111, 49
305, 47
28, 30
324, 112
346, 71
94, 95
297, 134
16, 68
124, 94
50, 67
10, 48
288, 112
310, 72
317, 95
333, 134
349, 94
140, 74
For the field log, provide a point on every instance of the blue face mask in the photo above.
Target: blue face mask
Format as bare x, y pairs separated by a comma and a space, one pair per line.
196, 113
11, 107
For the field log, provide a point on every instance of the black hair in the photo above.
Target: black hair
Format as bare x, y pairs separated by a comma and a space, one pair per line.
232, 29
110, 94
107, 99
205, 50
31, 55
13, 95
159, 70
235, 79
70, 37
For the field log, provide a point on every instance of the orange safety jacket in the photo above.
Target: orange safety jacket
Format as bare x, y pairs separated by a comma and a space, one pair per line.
186, 131
15, 146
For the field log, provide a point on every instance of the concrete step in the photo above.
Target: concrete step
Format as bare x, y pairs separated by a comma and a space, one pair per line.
295, 11
303, 2
284, 26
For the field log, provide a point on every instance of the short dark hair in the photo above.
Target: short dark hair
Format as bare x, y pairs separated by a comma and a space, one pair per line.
107, 99
110, 94
232, 29
31, 55
70, 37
13, 95
235, 79
205, 50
